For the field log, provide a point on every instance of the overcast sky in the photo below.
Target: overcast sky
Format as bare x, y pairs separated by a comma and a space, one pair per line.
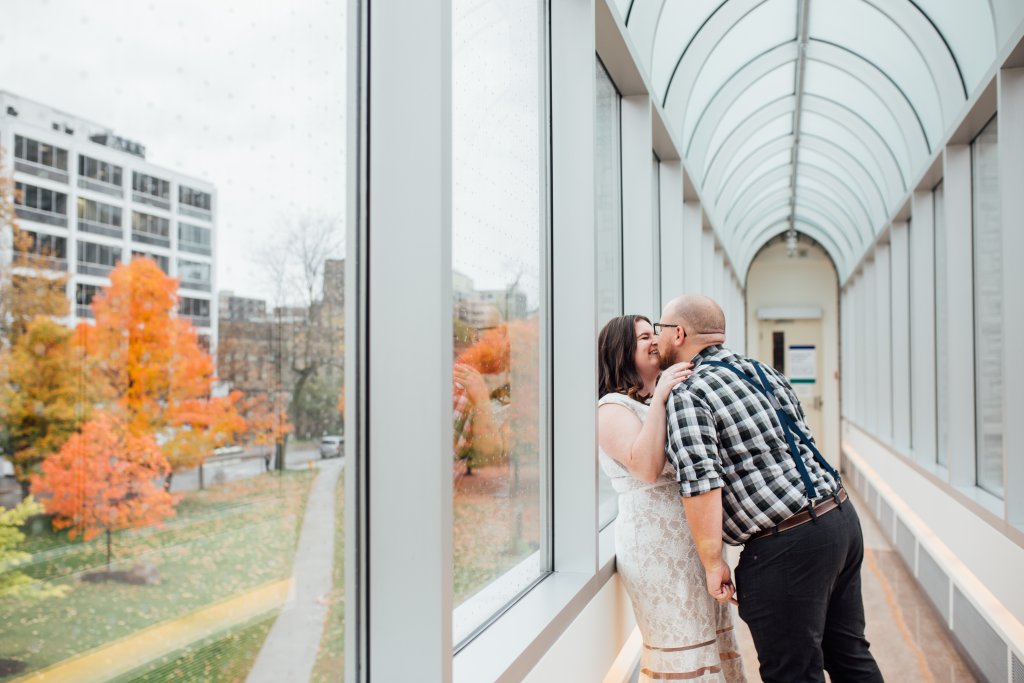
251, 97
247, 95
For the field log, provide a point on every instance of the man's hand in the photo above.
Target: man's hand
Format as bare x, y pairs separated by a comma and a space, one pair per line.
719, 583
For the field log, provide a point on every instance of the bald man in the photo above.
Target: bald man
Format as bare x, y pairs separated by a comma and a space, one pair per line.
750, 474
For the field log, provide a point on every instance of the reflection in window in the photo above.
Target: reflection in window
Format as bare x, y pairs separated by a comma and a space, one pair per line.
988, 310
498, 228
608, 224
151, 185
102, 171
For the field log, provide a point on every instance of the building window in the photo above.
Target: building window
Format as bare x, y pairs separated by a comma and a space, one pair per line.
195, 275
151, 229
100, 171
40, 153
194, 198
195, 239
151, 185
608, 225
99, 218
45, 251
40, 204
84, 294
147, 189
162, 261
498, 233
196, 309
97, 259
988, 310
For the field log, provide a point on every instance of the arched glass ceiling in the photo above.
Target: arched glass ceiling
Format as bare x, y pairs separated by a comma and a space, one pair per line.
812, 115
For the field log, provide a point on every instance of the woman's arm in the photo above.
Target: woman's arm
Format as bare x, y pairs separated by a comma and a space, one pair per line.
640, 447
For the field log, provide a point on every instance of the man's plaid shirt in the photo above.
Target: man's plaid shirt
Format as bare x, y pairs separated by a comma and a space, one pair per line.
724, 433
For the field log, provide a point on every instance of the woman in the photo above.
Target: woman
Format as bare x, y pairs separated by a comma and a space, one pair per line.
687, 634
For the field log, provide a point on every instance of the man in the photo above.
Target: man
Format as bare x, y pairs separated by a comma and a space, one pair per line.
749, 471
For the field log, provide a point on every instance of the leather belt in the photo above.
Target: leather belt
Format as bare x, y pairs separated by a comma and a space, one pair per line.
804, 516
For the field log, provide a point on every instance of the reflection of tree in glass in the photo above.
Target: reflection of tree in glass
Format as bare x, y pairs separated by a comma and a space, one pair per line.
497, 418
105, 479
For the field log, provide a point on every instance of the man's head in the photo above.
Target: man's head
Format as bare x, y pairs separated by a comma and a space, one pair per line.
690, 323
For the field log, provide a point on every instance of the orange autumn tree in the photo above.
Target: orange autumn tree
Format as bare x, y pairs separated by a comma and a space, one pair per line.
104, 479
266, 419
149, 367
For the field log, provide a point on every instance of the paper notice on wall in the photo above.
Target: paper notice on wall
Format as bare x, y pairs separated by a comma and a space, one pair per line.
803, 364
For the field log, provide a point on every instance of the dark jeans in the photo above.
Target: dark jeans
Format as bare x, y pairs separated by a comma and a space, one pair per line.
799, 592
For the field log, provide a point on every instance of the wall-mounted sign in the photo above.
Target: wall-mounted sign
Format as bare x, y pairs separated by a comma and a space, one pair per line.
802, 364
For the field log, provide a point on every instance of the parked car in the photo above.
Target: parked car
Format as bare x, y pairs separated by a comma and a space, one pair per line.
332, 446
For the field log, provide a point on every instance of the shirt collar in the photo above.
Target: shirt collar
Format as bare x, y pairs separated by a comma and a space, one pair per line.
709, 353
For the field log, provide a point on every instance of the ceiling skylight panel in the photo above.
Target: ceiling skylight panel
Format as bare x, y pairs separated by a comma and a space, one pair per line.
771, 122
677, 25
770, 24
862, 29
835, 84
772, 86
968, 28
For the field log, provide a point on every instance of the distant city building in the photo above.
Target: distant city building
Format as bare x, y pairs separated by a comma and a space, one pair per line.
486, 307
89, 200
239, 307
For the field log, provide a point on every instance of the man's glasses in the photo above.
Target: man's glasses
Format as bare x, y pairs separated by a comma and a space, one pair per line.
658, 327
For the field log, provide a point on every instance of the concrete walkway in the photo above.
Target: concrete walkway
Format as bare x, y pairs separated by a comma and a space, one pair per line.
290, 650
908, 639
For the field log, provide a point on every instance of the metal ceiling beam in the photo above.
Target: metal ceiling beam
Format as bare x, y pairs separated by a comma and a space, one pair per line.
798, 89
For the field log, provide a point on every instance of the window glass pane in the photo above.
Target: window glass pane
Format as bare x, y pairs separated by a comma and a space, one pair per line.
608, 225
988, 310
200, 454
770, 24
498, 228
656, 221
941, 329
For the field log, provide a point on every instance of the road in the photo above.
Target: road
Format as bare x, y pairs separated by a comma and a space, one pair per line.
231, 469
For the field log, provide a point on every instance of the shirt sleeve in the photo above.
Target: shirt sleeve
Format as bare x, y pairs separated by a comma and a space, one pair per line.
692, 443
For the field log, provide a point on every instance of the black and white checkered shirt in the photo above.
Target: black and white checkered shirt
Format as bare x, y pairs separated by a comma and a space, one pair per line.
724, 433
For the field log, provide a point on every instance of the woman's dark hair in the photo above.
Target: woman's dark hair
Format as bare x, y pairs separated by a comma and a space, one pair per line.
616, 351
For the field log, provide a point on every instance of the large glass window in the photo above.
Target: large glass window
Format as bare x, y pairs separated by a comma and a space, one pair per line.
499, 225
608, 225
102, 171
941, 329
40, 153
988, 310
189, 472
194, 238
99, 218
195, 275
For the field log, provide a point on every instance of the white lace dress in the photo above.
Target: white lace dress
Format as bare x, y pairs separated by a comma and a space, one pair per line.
687, 634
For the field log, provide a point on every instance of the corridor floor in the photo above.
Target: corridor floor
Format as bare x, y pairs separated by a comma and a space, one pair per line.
907, 636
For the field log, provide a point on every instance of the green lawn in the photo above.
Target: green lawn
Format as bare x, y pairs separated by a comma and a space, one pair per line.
224, 541
225, 658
